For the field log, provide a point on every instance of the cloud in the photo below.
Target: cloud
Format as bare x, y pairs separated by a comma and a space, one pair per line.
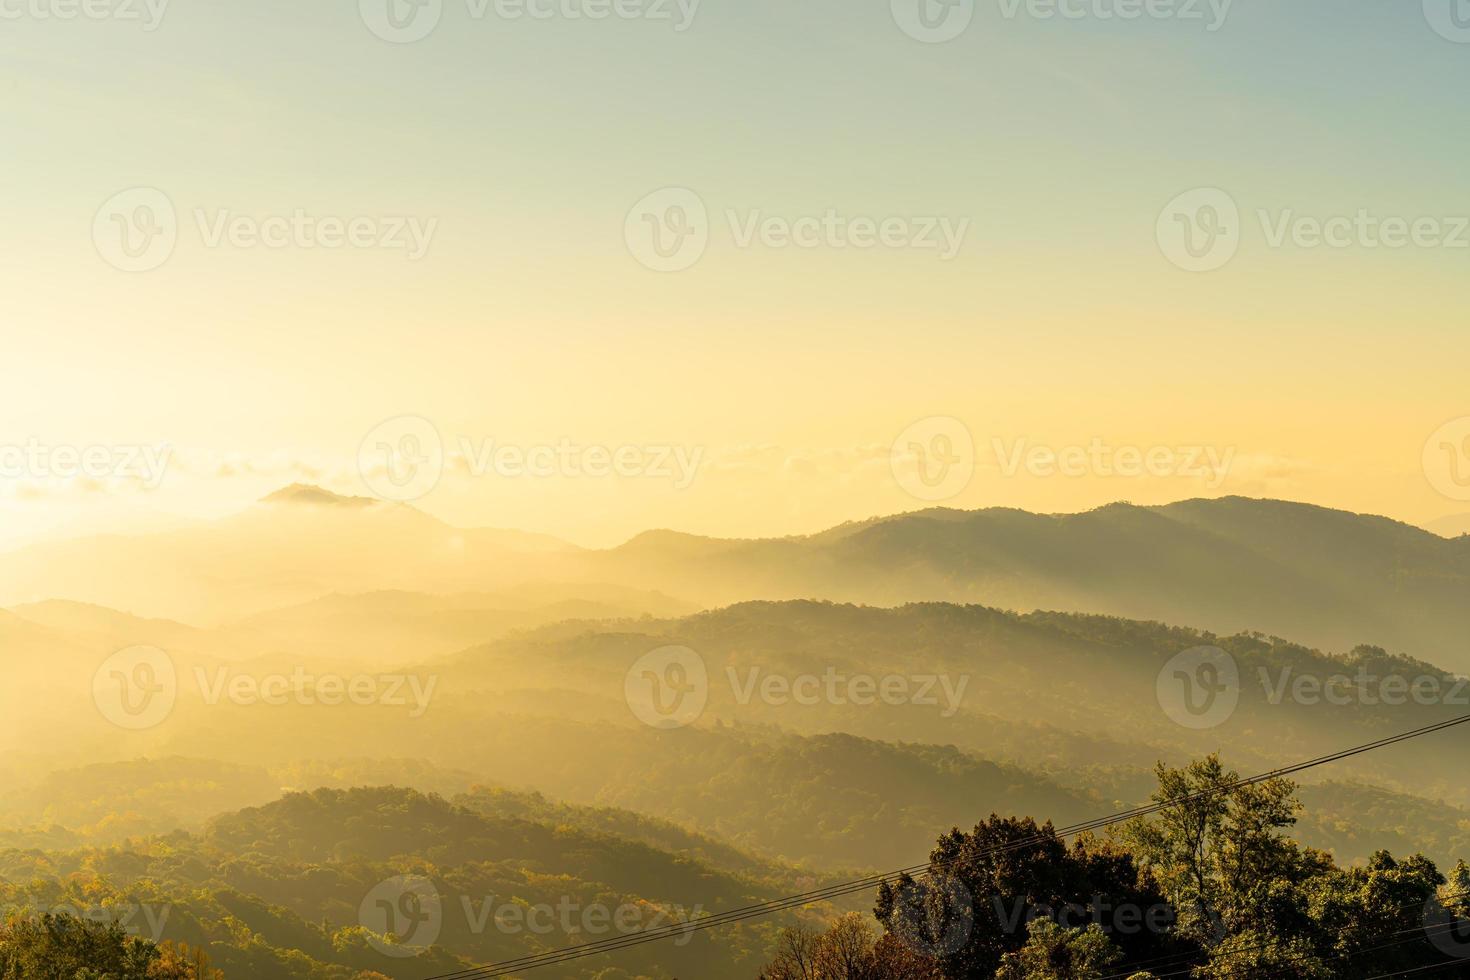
1263, 471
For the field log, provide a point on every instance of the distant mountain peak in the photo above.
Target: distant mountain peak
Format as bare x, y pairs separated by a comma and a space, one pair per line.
307, 493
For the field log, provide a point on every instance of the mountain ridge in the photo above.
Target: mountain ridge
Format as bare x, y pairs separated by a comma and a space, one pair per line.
1329, 577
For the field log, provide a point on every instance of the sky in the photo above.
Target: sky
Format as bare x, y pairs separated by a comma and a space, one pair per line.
838, 258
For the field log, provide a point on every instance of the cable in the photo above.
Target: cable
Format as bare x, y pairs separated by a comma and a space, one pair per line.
1177, 959
1421, 969
732, 916
1428, 931
529, 962
736, 915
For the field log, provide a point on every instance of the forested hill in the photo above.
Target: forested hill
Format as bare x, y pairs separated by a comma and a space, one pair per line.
1010, 686
386, 882
1325, 577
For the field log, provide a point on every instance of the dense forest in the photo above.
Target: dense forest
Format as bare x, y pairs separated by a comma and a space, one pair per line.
290, 889
511, 802
1211, 885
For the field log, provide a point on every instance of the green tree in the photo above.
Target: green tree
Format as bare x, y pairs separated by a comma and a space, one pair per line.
63, 947
1053, 952
179, 961
1456, 894
1008, 872
1218, 852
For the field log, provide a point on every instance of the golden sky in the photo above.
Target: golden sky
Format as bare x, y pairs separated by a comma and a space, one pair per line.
527, 314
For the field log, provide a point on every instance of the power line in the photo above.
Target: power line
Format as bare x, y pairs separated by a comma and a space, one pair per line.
736, 915
1428, 931
1177, 959
1421, 969
618, 943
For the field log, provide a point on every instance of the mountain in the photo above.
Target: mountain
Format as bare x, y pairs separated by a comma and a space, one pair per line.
306, 493
1039, 690
549, 787
1324, 577
110, 628
389, 882
1039, 712
1327, 578
397, 626
293, 546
